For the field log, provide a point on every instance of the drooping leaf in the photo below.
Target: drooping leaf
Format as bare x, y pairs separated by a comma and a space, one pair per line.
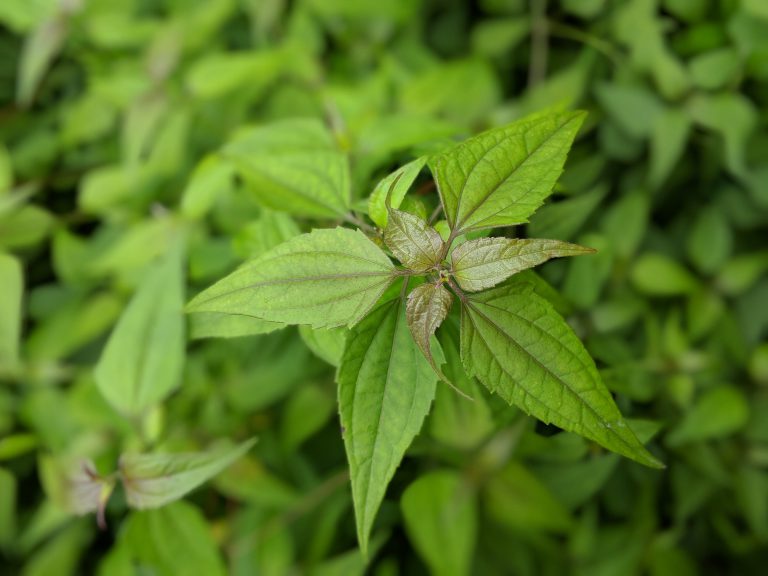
326, 278
412, 241
172, 540
152, 480
440, 513
11, 290
485, 262
143, 358
393, 186
501, 176
426, 308
386, 387
519, 347
293, 166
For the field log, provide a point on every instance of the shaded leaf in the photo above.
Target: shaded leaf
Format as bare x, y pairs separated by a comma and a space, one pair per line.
325, 278
485, 262
386, 387
719, 412
520, 348
412, 241
153, 480
501, 176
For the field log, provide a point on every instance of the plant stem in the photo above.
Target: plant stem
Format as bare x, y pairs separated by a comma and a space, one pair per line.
537, 69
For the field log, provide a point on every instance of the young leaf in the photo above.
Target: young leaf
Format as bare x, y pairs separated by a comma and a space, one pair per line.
415, 243
143, 358
393, 186
485, 262
440, 513
426, 308
152, 480
295, 167
325, 278
386, 387
518, 346
501, 176
11, 290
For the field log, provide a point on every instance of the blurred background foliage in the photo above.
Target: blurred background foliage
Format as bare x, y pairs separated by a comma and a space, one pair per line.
114, 118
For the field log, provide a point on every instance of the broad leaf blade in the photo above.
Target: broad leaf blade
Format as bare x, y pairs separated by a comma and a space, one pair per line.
414, 242
294, 166
152, 480
143, 358
440, 513
426, 308
501, 176
520, 348
485, 262
386, 387
325, 278
393, 186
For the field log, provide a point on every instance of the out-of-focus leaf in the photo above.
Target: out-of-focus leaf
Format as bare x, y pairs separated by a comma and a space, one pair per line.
293, 166
7, 508
306, 411
644, 104
61, 554
669, 135
625, 223
212, 178
502, 176
563, 219
713, 70
268, 231
710, 240
24, 227
142, 361
216, 75
520, 348
327, 344
440, 513
658, 275
719, 412
171, 540
516, 498
498, 36
386, 387
11, 291
485, 262
153, 480
40, 48
325, 278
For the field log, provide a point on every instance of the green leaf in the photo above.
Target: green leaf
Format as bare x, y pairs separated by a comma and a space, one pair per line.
295, 167
658, 275
211, 179
426, 308
519, 347
40, 48
219, 325
440, 513
172, 540
144, 356
412, 241
11, 291
325, 344
394, 186
153, 480
386, 387
8, 491
710, 241
502, 176
516, 498
719, 412
485, 262
325, 278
